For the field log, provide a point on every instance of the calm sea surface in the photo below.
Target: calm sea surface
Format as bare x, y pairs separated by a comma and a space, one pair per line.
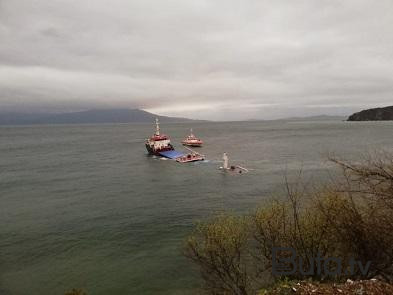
84, 206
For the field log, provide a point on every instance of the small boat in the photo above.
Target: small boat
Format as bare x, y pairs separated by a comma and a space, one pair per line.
191, 157
158, 143
192, 140
232, 168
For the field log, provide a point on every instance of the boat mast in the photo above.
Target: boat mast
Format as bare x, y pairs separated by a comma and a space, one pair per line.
225, 158
157, 127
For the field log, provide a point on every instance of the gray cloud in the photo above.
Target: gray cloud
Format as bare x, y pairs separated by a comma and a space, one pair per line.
203, 59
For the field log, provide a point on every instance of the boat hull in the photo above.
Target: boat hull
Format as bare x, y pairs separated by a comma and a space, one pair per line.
193, 144
190, 158
156, 152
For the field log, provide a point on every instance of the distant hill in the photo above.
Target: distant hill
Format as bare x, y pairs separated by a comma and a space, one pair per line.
86, 117
316, 118
377, 114
305, 119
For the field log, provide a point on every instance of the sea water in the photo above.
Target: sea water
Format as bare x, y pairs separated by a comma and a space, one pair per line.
83, 206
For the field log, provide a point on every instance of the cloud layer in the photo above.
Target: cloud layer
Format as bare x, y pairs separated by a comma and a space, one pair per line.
224, 60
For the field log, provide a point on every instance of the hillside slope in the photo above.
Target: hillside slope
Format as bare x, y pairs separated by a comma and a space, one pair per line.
377, 114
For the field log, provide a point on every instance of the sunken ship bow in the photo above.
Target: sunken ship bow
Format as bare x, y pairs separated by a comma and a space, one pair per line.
158, 143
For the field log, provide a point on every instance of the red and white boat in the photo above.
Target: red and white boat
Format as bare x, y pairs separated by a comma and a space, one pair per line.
158, 143
192, 140
191, 157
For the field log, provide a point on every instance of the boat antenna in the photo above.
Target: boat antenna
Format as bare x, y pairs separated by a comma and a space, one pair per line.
191, 132
157, 127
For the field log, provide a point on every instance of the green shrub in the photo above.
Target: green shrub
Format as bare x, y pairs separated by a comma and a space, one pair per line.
76, 292
350, 219
219, 248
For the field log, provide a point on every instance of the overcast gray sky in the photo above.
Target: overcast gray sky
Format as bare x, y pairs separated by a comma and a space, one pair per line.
203, 59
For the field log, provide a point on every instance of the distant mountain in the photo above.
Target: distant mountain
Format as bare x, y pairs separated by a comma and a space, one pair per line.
316, 118
86, 117
377, 114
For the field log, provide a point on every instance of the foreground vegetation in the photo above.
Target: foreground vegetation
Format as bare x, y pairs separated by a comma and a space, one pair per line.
369, 287
351, 218
76, 292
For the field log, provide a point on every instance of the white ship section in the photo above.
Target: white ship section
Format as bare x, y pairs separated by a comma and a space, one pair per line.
161, 143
